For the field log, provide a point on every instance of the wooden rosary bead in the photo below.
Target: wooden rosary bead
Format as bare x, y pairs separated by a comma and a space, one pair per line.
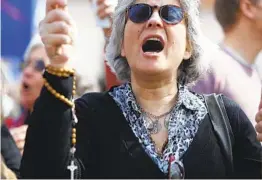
73, 135
74, 130
58, 95
73, 141
61, 72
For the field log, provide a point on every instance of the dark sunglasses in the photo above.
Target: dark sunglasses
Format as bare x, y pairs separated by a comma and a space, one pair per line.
38, 65
139, 13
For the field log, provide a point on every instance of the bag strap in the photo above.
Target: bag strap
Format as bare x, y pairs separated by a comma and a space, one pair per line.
222, 127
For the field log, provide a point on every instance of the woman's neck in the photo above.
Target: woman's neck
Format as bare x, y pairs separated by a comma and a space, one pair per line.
156, 97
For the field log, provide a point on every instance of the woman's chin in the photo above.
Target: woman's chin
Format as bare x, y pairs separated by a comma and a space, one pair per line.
153, 66
151, 70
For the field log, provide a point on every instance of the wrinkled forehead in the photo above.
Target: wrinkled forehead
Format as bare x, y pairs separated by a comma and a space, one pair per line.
159, 2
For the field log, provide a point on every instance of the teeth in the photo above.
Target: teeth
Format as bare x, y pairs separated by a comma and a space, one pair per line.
154, 39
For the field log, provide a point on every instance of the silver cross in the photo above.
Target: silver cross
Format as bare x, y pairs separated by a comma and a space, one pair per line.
74, 115
72, 168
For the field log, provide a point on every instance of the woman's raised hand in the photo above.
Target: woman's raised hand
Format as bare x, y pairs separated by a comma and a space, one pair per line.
57, 31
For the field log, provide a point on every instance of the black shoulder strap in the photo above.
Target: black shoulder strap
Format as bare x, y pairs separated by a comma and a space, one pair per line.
222, 127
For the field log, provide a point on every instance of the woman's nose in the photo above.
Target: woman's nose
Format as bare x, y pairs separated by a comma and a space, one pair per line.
155, 20
28, 71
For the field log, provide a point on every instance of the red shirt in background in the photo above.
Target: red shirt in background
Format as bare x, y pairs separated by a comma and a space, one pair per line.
111, 79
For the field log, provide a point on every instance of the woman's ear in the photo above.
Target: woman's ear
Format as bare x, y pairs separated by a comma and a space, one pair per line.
188, 51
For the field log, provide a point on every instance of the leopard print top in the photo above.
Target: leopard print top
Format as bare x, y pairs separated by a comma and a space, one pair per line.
186, 117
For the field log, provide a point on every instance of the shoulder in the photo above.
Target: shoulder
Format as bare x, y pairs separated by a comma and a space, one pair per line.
244, 132
218, 71
231, 106
94, 109
91, 100
219, 62
91, 109
235, 114
95, 101
237, 118
240, 123
93, 96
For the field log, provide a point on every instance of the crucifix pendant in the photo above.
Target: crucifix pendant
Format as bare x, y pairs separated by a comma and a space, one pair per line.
72, 169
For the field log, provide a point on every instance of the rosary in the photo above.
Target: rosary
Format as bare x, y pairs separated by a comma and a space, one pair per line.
72, 167
66, 73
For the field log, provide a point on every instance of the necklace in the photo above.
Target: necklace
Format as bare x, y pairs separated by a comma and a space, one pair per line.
152, 122
154, 125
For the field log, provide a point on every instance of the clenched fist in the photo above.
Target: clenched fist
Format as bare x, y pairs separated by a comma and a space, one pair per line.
57, 31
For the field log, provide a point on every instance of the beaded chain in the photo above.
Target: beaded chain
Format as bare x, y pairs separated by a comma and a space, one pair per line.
61, 72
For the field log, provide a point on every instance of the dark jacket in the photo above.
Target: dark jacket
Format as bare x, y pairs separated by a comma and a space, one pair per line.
9, 150
107, 147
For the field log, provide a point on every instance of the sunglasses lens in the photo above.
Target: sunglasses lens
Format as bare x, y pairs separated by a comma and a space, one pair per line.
139, 13
171, 14
39, 65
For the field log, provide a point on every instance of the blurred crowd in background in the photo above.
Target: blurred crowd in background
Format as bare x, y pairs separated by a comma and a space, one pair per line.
234, 70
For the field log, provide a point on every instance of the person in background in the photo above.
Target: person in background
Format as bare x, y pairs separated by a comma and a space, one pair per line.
209, 26
232, 67
35, 60
110, 77
207, 4
6, 173
10, 155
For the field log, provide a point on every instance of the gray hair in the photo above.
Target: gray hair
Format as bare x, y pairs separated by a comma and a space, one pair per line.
226, 12
34, 43
188, 71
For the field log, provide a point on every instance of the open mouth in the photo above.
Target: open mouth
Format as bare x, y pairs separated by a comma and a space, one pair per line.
25, 86
154, 45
